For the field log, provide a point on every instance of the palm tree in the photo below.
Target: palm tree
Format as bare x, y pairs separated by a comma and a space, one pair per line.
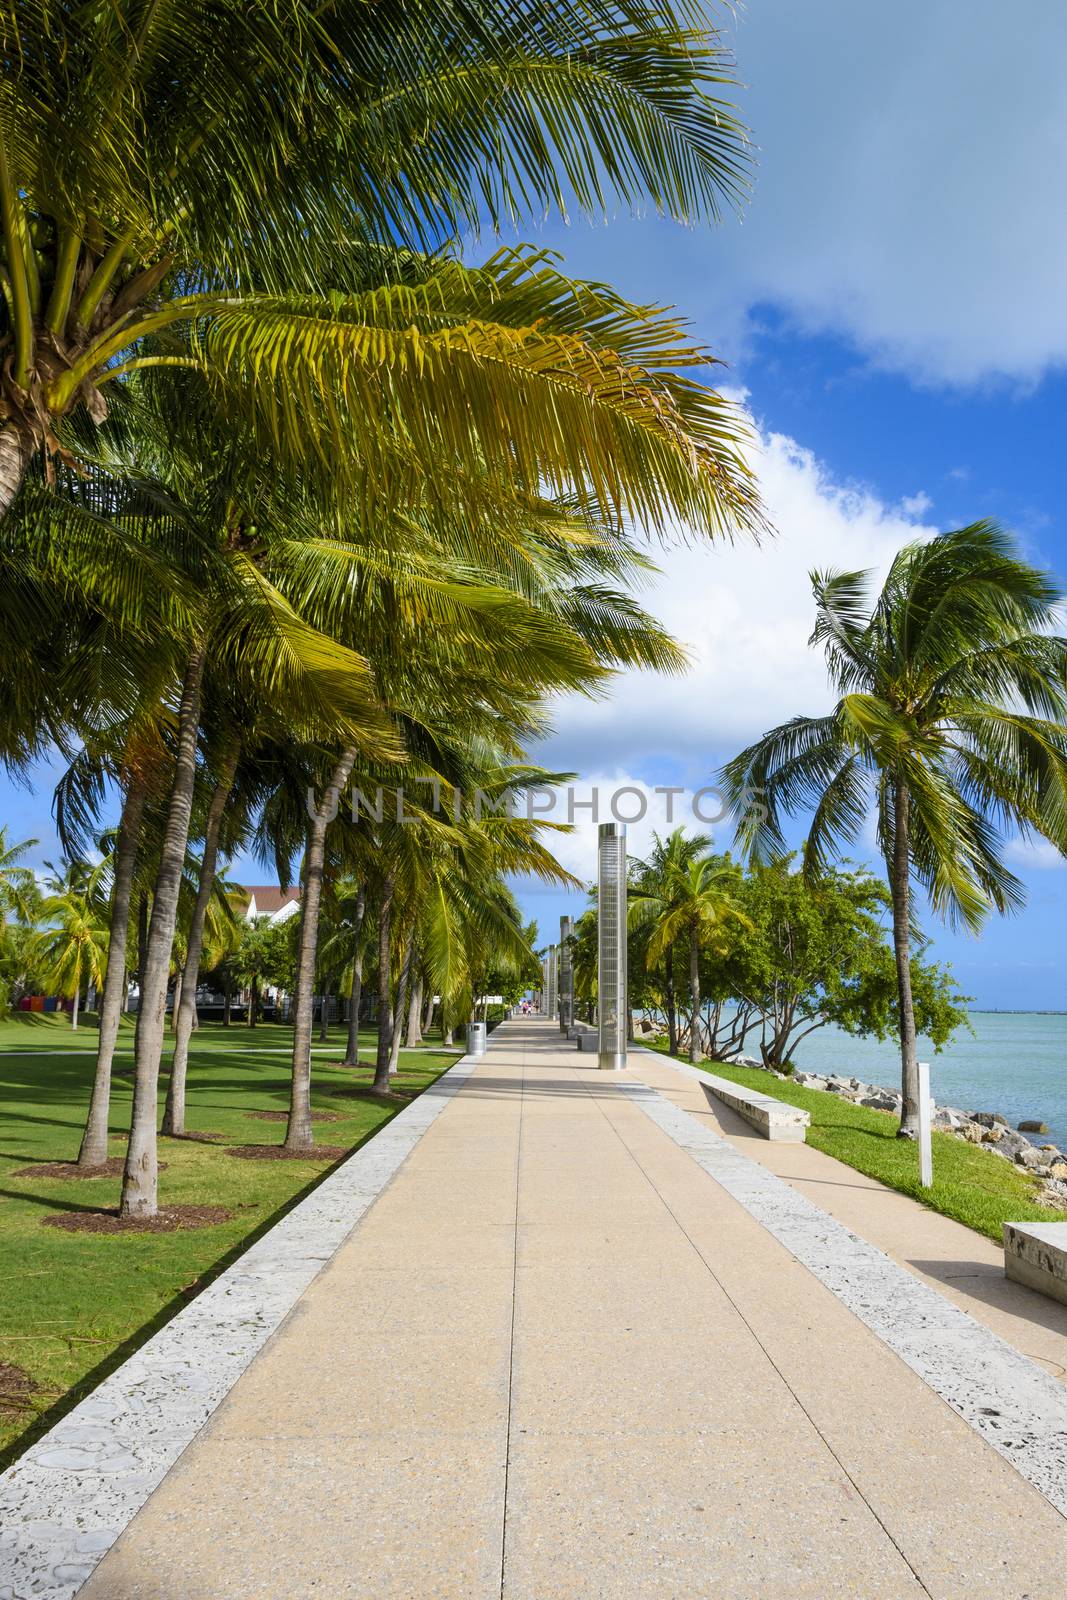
343, 942
696, 905
18, 884
652, 879
191, 186
73, 949
952, 717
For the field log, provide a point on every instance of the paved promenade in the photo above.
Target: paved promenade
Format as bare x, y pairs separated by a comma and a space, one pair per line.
558, 1358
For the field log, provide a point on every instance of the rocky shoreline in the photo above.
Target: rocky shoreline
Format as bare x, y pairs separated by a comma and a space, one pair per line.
986, 1129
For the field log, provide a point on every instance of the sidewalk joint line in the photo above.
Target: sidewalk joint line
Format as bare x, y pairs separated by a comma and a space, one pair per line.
960, 1360
511, 1334
728, 1297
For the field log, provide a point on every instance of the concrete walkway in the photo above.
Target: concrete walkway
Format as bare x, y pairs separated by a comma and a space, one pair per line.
556, 1358
964, 1266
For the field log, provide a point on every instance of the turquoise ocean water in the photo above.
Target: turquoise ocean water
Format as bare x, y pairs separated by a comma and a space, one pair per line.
1016, 1064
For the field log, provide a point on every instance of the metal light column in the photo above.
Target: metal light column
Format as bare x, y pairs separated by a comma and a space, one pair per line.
611, 945
566, 974
553, 974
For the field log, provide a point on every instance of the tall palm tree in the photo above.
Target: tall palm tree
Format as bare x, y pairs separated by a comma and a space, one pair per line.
652, 878
73, 947
952, 718
207, 176
18, 883
696, 905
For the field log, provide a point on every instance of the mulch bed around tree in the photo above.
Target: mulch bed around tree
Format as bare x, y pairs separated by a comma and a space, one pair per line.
111, 1168
168, 1219
278, 1152
283, 1116
16, 1386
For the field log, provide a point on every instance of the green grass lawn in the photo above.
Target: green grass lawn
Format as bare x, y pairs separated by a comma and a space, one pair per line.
970, 1184
72, 1305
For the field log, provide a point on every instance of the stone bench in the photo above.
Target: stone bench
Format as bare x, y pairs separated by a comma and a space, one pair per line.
1035, 1253
584, 1034
772, 1118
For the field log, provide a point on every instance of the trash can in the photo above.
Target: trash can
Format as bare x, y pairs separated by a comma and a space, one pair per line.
476, 1038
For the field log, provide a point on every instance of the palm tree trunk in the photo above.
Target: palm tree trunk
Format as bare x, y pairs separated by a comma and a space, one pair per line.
356, 996
672, 1007
179, 984
227, 1005
413, 1032
16, 452
324, 1015
184, 1014
401, 1001
899, 874
298, 1133
385, 992
694, 997
140, 1179
74, 1008
428, 1017
93, 1152
142, 946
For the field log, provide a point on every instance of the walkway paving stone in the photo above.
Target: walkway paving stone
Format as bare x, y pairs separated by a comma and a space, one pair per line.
557, 1359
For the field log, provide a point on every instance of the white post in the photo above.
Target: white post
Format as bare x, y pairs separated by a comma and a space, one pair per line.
611, 945
926, 1158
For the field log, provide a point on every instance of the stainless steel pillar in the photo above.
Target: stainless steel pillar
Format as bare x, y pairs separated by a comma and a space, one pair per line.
566, 974
611, 945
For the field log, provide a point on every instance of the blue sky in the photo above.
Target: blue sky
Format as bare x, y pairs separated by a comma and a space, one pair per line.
893, 308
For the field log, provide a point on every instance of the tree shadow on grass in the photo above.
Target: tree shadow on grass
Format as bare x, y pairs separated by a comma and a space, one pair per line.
60, 1204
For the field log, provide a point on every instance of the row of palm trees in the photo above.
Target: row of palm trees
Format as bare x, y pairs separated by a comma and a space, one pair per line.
294, 499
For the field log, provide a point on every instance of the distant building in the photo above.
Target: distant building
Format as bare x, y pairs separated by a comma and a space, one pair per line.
267, 900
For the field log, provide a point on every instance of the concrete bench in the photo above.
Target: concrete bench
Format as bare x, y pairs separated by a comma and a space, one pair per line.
1035, 1253
772, 1118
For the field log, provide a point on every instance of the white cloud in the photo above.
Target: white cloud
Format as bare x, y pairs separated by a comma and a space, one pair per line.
906, 196
644, 805
1035, 854
916, 505
745, 615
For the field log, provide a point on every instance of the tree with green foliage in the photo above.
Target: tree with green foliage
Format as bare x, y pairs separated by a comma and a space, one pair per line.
652, 882
242, 189
952, 718
264, 956
815, 952
72, 946
695, 906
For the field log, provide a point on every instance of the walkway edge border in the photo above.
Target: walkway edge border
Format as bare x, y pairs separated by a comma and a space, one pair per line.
1016, 1407
67, 1499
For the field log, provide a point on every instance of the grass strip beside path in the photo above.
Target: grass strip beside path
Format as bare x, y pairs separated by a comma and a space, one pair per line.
73, 1305
971, 1185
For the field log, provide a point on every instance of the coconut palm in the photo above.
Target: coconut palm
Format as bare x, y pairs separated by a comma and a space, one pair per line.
952, 719
18, 883
73, 947
695, 905
215, 178
669, 858
343, 942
